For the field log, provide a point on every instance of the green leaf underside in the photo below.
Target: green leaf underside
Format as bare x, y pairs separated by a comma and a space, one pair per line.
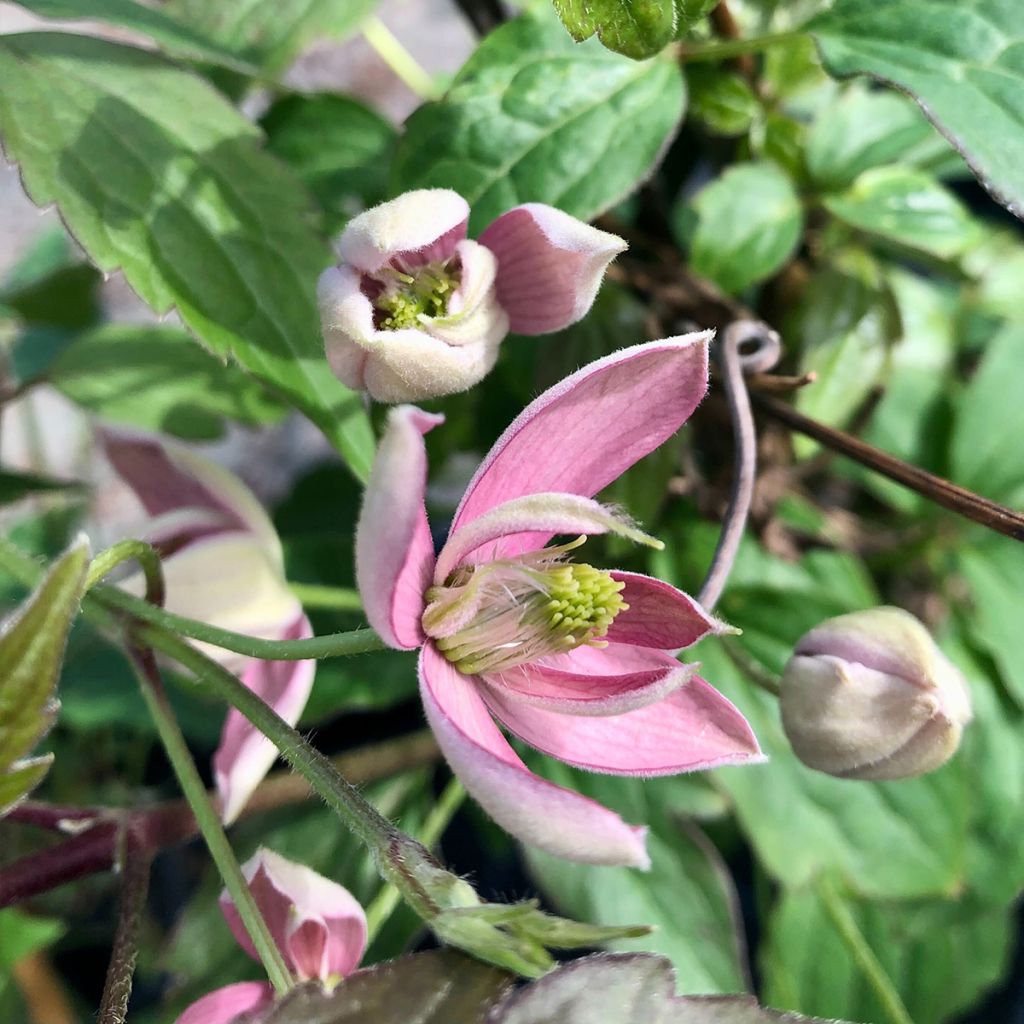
159, 379
748, 224
31, 652
963, 60
535, 117
156, 175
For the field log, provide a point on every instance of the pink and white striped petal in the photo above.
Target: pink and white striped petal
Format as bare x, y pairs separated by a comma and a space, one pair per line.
692, 729
532, 809
659, 615
245, 755
584, 432
594, 681
414, 228
227, 1004
550, 266
317, 924
394, 550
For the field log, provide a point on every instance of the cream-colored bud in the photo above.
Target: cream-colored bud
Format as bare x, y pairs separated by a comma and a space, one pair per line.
870, 696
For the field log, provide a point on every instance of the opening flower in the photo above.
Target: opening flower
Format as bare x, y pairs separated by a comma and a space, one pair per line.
223, 565
417, 310
317, 925
577, 661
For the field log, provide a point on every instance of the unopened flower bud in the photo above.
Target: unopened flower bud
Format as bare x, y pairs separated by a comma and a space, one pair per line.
870, 696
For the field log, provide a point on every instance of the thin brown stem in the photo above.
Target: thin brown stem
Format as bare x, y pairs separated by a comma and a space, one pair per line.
936, 489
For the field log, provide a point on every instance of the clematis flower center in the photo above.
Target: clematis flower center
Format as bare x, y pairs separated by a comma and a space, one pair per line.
491, 617
407, 298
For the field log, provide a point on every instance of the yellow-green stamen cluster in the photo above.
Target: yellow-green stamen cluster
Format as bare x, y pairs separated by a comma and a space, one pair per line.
522, 609
409, 299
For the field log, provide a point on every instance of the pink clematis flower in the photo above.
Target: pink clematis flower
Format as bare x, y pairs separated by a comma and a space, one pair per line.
417, 310
317, 925
578, 662
223, 565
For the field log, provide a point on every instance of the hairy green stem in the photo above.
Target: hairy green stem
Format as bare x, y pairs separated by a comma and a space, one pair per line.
315, 595
135, 551
862, 954
692, 53
206, 818
441, 814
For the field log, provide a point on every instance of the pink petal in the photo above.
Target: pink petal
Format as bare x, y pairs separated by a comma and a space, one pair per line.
584, 432
550, 266
594, 681
530, 514
694, 728
530, 808
659, 615
394, 550
413, 228
226, 1004
245, 755
317, 924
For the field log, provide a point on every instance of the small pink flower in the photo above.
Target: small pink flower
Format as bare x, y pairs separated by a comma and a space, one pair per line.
223, 565
417, 310
317, 925
578, 662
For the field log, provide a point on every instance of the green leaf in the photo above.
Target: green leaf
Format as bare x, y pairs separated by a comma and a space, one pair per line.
940, 955
635, 28
175, 36
154, 173
749, 222
633, 987
534, 117
25, 934
436, 987
31, 653
996, 264
685, 873
861, 131
909, 208
721, 99
15, 485
960, 59
159, 379
372, 682
336, 145
271, 32
986, 453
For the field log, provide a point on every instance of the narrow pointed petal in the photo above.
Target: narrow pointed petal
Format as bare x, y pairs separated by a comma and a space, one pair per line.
317, 924
245, 755
550, 266
659, 615
415, 227
594, 681
168, 477
694, 728
532, 809
225, 1005
534, 514
584, 432
394, 550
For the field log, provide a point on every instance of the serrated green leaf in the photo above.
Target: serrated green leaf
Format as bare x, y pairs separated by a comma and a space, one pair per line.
156, 174
634, 28
336, 145
749, 222
909, 208
959, 58
535, 117
860, 131
159, 379
31, 652
175, 37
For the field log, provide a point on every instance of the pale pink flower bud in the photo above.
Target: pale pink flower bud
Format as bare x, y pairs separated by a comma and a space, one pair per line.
870, 696
317, 924
416, 310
